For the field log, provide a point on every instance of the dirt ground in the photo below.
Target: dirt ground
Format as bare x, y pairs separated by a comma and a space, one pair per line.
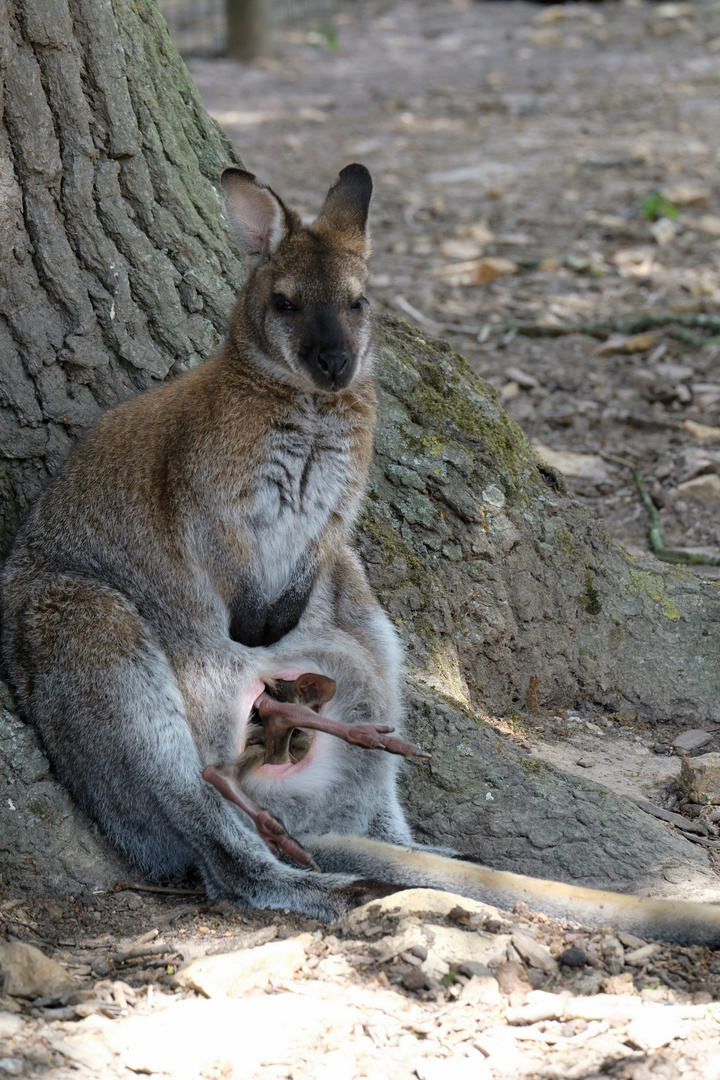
536, 168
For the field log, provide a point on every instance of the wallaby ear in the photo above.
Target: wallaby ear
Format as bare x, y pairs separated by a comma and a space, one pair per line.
346, 204
314, 690
256, 215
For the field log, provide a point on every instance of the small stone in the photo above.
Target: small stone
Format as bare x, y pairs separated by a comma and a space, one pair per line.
11, 1066
586, 762
233, 974
28, 973
656, 1026
481, 990
573, 957
473, 968
534, 953
630, 941
539, 1005
701, 775
420, 951
416, 980
704, 489
638, 956
512, 977
619, 984
527, 382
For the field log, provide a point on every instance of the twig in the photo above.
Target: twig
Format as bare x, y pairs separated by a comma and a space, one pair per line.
137, 886
679, 321
670, 555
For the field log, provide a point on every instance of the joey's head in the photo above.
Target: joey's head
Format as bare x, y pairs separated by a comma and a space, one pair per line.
302, 315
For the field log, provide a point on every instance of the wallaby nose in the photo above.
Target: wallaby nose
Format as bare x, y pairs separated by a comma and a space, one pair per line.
332, 362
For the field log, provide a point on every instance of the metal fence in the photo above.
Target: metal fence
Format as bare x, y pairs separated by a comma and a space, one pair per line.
198, 27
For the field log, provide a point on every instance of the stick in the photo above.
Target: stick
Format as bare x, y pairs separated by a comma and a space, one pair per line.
670, 555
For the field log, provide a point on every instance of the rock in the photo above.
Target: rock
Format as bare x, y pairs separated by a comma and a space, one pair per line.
586, 466
619, 984
638, 956
709, 223
534, 953
196, 1037
613, 953
10, 1025
234, 974
416, 980
472, 968
460, 946
371, 916
525, 381
573, 957
701, 776
481, 990
457, 1068
693, 739
705, 489
654, 1027
512, 978
11, 1066
630, 941
28, 973
539, 1005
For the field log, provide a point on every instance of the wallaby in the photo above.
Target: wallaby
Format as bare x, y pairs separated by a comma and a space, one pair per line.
193, 550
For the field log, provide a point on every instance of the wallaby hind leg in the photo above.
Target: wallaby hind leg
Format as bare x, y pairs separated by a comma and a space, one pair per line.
113, 720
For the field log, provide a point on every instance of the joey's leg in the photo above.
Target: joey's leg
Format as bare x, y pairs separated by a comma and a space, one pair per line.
226, 780
280, 716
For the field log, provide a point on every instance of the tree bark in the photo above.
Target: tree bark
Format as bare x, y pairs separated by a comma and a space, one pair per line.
117, 271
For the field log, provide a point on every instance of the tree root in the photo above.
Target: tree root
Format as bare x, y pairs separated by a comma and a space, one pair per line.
670, 555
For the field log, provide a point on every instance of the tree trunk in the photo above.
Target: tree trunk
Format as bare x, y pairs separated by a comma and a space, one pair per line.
118, 271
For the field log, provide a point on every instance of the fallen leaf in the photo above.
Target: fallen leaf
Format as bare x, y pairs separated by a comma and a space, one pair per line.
461, 249
692, 195
620, 343
490, 268
701, 431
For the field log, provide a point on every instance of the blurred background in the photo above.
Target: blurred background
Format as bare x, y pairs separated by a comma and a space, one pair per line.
546, 199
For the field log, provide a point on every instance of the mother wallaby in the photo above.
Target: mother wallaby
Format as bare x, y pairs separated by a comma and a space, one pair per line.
195, 548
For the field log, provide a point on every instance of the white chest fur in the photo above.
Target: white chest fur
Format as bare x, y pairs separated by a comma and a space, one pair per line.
303, 480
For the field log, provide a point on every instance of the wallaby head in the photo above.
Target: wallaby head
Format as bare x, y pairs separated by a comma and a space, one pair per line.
302, 314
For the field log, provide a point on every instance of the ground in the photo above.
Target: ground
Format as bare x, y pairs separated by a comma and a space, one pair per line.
533, 164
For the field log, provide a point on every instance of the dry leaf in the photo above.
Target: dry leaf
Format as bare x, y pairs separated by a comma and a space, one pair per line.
687, 195
702, 431
635, 343
492, 267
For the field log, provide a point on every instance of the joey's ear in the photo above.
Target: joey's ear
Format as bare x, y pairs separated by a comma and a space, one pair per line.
257, 217
314, 690
346, 204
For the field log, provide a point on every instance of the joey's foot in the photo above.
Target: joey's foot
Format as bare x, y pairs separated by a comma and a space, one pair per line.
273, 832
278, 717
270, 829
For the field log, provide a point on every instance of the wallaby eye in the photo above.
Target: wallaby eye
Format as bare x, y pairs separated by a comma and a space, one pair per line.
358, 304
281, 303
